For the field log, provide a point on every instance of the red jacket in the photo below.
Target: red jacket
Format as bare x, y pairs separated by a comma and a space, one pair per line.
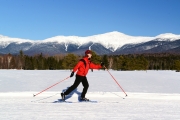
82, 70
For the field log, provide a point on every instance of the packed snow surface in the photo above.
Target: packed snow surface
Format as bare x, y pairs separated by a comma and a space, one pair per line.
152, 95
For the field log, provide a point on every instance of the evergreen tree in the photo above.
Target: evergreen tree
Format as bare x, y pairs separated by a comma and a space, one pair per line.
115, 63
105, 60
21, 60
69, 61
177, 65
95, 58
35, 63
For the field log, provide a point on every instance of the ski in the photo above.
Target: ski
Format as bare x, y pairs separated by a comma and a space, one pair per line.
62, 101
89, 101
79, 101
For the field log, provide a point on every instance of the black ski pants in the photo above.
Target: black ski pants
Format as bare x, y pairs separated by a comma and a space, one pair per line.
79, 79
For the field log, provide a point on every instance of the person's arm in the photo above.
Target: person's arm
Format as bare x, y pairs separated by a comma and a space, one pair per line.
96, 66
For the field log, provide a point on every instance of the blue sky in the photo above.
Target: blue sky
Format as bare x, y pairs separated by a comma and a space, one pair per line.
41, 19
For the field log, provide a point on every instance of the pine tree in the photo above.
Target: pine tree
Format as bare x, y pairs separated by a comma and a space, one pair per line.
95, 58
177, 65
69, 61
21, 60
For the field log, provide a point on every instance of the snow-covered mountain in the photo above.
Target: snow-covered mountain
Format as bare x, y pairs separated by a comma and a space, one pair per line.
108, 43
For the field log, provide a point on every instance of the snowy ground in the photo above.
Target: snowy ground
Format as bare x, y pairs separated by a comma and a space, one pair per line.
152, 95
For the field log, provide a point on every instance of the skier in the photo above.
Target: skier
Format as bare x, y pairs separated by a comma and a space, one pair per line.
82, 66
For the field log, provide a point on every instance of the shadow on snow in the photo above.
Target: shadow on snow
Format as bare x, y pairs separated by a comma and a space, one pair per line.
70, 95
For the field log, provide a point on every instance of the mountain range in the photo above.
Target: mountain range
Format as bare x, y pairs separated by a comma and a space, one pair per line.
108, 43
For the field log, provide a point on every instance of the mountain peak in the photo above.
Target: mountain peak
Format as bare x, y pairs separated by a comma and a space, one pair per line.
114, 33
168, 35
1, 36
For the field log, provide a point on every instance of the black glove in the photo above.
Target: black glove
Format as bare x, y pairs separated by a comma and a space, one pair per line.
72, 74
102, 64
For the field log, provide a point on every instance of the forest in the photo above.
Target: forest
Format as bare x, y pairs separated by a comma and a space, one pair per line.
160, 61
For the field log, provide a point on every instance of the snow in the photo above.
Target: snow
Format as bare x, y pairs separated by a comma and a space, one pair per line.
168, 36
108, 40
116, 39
5, 41
151, 95
111, 40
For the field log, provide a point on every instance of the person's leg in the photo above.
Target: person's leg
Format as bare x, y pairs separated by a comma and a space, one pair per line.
85, 85
75, 85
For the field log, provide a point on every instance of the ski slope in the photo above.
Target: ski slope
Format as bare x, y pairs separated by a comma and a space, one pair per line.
152, 95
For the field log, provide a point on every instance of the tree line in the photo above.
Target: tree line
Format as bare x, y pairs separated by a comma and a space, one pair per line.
161, 61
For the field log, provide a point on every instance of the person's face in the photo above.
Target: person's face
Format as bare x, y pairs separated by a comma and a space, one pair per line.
89, 55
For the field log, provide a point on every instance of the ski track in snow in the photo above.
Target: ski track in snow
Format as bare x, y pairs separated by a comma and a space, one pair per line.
152, 95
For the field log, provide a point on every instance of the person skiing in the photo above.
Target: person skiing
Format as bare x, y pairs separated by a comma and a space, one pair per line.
82, 68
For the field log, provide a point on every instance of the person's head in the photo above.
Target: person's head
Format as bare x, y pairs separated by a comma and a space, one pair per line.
88, 53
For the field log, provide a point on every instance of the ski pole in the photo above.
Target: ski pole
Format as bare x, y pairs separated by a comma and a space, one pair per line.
50, 86
115, 81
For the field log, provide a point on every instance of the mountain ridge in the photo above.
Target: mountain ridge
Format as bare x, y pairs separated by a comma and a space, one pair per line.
106, 43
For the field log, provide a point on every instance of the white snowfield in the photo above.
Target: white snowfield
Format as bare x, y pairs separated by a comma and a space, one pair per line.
152, 95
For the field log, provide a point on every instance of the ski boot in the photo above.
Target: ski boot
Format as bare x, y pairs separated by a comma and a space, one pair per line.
63, 96
84, 99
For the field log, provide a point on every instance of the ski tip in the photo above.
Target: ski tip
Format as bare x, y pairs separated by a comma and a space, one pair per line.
34, 95
126, 95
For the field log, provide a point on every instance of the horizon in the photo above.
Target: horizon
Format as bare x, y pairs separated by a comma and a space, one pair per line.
42, 19
159, 35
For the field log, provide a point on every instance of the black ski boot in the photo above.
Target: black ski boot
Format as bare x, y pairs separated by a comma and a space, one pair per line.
84, 99
63, 96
